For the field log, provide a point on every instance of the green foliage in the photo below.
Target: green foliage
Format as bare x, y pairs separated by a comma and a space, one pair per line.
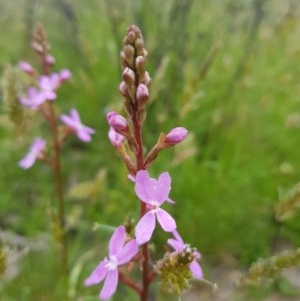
226, 70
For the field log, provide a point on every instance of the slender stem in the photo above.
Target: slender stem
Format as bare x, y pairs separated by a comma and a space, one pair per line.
140, 166
130, 282
59, 191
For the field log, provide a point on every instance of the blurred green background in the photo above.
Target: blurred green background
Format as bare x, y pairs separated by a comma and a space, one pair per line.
226, 70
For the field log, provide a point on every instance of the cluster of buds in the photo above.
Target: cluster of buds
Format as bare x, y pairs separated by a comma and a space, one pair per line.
135, 90
136, 79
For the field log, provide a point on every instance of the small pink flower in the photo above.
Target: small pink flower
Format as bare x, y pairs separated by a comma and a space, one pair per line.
118, 122
115, 138
33, 99
26, 67
35, 152
49, 84
74, 122
119, 253
154, 193
176, 135
178, 245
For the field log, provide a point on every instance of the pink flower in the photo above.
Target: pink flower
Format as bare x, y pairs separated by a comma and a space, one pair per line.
119, 253
35, 152
33, 99
154, 193
176, 135
118, 122
178, 245
115, 138
48, 85
74, 122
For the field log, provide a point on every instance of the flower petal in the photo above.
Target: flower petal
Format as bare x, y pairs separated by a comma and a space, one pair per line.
27, 161
176, 245
127, 252
68, 120
163, 187
145, 228
196, 269
97, 275
110, 284
75, 115
144, 186
166, 221
117, 241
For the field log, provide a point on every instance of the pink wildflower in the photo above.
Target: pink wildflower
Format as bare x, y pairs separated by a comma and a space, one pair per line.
64, 75
154, 193
178, 245
35, 152
33, 99
74, 123
115, 138
119, 253
49, 84
176, 135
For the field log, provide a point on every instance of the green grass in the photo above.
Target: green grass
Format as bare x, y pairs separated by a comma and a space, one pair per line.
234, 101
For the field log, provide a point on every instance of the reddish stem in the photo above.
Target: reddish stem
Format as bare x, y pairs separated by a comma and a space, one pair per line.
130, 282
140, 166
58, 188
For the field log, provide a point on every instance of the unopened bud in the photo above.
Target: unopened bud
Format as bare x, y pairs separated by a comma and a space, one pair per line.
140, 62
26, 67
176, 135
64, 75
129, 77
139, 46
131, 36
117, 121
142, 93
115, 138
123, 89
49, 60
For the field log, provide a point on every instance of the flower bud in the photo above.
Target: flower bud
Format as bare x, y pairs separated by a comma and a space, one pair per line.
26, 67
142, 93
123, 89
49, 60
129, 77
117, 121
115, 138
64, 75
176, 135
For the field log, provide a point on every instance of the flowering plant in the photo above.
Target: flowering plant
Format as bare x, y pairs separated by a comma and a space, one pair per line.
126, 135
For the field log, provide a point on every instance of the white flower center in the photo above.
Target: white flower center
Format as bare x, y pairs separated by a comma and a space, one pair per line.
154, 205
112, 263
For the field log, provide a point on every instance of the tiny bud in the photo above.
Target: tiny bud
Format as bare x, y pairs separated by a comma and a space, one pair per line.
64, 75
131, 36
139, 46
146, 79
117, 121
140, 62
26, 67
142, 93
115, 138
123, 89
176, 135
129, 76
129, 54
49, 60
